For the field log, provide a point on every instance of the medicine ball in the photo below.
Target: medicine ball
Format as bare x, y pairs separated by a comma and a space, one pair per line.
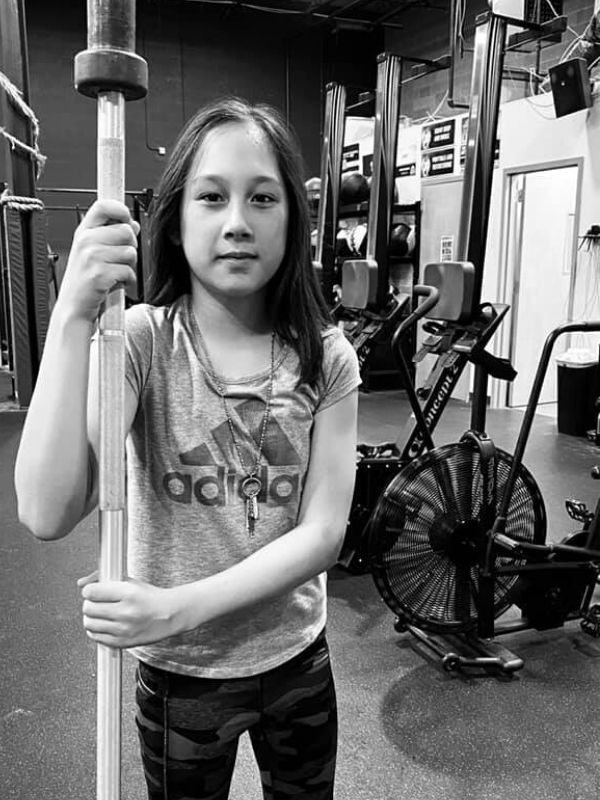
399, 245
313, 194
354, 188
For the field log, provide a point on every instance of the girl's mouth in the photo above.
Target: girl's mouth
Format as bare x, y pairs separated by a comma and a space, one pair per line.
238, 255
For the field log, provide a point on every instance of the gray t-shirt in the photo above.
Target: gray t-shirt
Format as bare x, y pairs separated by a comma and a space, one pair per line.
186, 516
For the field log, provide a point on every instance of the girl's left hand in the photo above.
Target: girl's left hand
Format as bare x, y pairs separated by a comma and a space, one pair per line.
126, 613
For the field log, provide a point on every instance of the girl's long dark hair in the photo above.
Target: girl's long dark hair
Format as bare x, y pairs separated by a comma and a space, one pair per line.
294, 298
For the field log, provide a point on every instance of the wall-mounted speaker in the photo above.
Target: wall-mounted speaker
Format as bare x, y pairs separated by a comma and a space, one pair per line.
571, 86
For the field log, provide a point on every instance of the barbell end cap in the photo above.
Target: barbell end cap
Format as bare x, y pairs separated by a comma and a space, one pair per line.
110, 70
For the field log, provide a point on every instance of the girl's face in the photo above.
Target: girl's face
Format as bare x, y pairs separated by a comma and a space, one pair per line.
234, 213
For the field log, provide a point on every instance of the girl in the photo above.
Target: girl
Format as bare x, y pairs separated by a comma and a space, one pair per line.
241, 404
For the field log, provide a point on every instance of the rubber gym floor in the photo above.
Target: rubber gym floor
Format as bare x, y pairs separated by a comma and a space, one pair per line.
408, 729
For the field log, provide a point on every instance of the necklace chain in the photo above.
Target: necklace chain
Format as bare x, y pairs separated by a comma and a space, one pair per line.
221, 392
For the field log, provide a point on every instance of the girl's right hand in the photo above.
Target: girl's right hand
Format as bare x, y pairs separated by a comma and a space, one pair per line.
103, 253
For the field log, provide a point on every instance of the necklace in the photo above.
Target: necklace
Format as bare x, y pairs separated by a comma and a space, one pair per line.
252, 484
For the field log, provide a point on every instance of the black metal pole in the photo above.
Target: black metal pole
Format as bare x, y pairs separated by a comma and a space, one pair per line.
490, 36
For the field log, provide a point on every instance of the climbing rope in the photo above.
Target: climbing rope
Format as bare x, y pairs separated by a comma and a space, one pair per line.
16, 98
20, 203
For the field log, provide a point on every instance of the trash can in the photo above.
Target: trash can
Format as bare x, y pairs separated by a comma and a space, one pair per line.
578, 389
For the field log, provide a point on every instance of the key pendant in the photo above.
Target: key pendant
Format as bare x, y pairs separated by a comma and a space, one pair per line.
251, 487
251, 514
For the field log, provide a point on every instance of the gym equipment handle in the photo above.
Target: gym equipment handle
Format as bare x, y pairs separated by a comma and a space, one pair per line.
431, 295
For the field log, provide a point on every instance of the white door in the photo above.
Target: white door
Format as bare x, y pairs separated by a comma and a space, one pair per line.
542, 210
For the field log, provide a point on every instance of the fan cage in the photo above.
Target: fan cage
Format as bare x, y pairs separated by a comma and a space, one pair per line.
426, 539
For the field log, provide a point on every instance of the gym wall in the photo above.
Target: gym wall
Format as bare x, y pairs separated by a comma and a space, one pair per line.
533, 138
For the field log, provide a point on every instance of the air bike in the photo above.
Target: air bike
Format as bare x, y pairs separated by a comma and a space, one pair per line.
458, 332
459, 534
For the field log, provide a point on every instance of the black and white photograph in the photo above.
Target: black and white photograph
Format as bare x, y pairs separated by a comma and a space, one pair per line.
300, 399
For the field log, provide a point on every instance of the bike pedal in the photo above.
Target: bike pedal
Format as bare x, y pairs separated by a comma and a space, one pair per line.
578, 510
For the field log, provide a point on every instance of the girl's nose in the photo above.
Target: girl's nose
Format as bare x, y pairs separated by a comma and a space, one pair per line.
236, 223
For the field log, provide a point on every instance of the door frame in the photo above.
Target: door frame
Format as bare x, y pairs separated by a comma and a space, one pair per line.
499, 390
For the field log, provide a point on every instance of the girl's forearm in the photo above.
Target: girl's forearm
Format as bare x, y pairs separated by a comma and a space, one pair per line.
275, 569
51, 471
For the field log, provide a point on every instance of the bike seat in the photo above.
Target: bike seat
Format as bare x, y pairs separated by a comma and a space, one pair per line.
455, 282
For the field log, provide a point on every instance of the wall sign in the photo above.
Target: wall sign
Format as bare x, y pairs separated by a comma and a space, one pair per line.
447, 248
350, 158
437, 162
438, 134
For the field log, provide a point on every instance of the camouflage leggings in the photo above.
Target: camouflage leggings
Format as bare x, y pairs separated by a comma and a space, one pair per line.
189, 729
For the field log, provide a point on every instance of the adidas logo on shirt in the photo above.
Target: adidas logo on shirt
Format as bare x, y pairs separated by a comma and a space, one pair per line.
223, 486
204, 477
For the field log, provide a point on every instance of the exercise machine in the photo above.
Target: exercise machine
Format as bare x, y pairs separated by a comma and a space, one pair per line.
459, 536
460, 335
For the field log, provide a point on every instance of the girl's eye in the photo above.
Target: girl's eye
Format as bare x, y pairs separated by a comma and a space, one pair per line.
264, 199
211, 197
